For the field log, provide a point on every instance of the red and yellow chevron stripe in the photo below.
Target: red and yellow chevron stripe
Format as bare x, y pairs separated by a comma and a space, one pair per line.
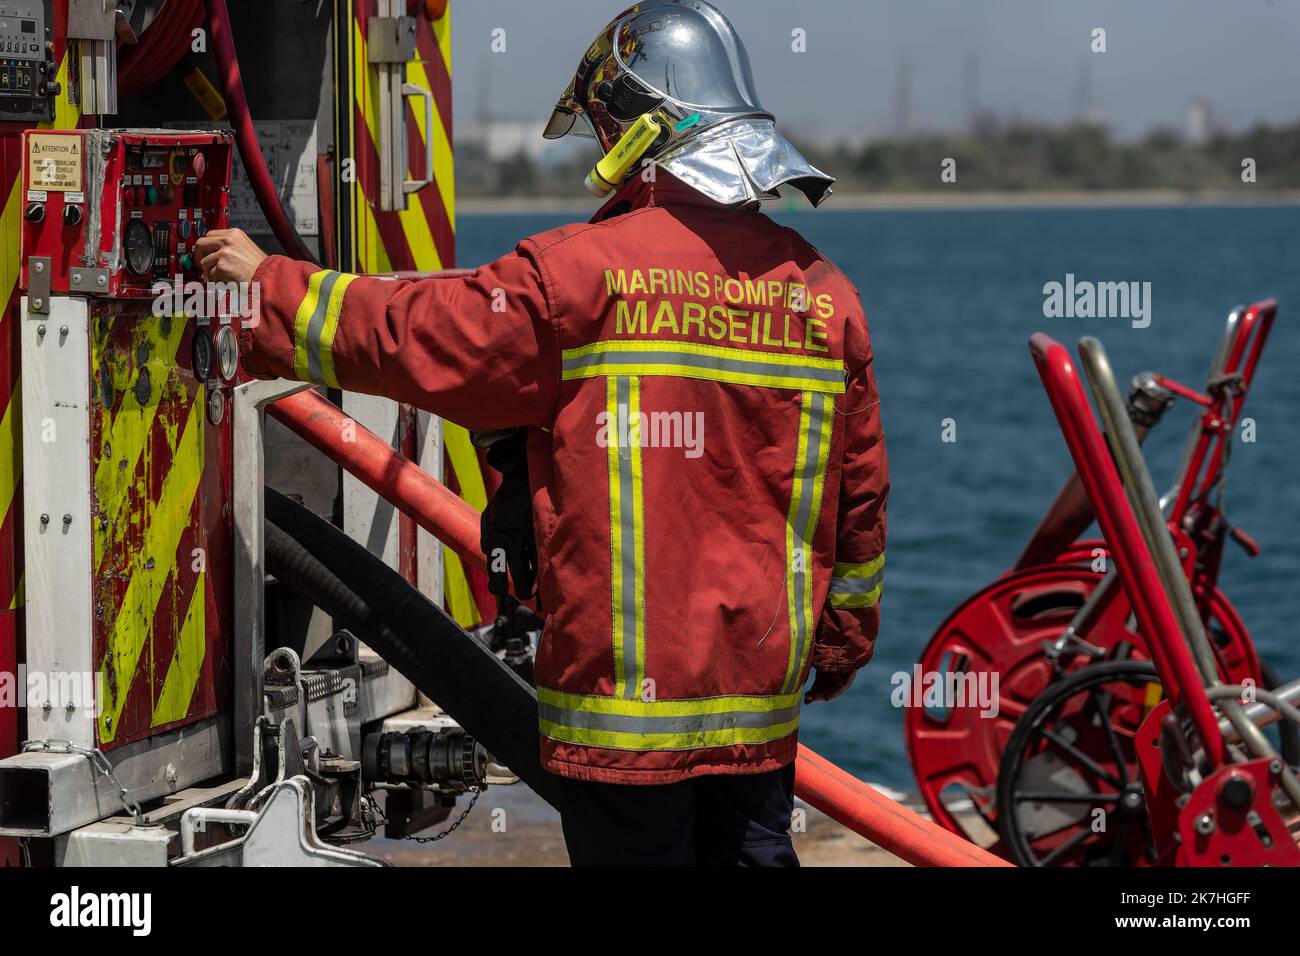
161, 619
420, 238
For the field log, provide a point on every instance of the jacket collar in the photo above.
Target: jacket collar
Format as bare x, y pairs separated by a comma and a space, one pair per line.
664, 189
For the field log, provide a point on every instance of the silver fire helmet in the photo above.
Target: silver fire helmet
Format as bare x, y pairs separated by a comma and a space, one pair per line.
682, 61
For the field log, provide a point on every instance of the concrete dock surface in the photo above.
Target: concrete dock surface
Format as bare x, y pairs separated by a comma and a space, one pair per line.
512, 826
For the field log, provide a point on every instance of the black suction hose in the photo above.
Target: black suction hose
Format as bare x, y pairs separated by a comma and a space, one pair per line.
455, 670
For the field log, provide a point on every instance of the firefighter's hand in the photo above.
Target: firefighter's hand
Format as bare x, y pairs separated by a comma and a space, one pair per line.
228, 255
828, 686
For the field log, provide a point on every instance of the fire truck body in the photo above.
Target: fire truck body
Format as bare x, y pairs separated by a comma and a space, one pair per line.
178, 704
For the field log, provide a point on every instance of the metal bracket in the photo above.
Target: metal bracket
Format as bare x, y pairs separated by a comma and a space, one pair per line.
390, 39
92, 20
93, 24
390, 45
89, 281
284, 834
248, 491
38, 284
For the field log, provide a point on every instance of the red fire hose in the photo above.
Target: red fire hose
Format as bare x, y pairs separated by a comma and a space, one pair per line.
232, 90
160, 47
440, 512
890, 825
392, 475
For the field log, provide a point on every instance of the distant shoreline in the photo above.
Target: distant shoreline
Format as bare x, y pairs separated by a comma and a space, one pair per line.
857, 202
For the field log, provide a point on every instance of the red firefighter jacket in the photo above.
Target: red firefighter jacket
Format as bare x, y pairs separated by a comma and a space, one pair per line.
706, 459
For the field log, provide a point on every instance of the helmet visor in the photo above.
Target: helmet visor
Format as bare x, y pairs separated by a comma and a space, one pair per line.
561, 121
569, 106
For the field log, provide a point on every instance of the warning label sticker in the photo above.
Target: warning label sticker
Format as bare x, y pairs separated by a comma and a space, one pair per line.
54, 162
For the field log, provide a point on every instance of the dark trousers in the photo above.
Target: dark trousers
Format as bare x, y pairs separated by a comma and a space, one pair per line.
723, 820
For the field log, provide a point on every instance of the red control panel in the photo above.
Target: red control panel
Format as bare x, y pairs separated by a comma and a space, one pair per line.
113, 212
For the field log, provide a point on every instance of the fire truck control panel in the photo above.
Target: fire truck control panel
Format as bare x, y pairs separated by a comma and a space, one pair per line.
115, 211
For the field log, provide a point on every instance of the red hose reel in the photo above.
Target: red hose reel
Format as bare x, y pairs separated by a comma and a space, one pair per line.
1002, 629
161, 45
1076, 677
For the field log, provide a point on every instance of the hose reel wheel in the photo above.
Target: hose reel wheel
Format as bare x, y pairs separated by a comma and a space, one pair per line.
1003, 630
1069, 788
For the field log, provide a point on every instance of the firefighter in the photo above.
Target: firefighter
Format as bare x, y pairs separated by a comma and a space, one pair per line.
705, 460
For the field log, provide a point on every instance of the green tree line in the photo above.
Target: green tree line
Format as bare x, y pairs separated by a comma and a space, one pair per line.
1013, 158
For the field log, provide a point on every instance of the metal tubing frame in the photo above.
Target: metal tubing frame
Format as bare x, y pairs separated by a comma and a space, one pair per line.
1136, 480
1151, 606
1243, 359
1244, 339
1264, 714
1241, 324
1269, 707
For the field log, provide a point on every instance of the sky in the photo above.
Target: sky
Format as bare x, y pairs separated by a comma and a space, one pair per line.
1026, 59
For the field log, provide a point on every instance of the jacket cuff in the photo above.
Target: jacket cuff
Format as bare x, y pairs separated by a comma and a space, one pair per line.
246, 333
834, 660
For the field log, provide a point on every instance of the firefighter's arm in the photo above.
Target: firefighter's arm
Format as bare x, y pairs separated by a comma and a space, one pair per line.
479, 349
850, 621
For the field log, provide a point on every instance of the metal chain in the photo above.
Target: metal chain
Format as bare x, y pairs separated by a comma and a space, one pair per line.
100, 762
477, 791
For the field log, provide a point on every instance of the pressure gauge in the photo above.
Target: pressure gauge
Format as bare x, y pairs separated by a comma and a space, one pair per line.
216, 406
201, 355
138, 247
227, 352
